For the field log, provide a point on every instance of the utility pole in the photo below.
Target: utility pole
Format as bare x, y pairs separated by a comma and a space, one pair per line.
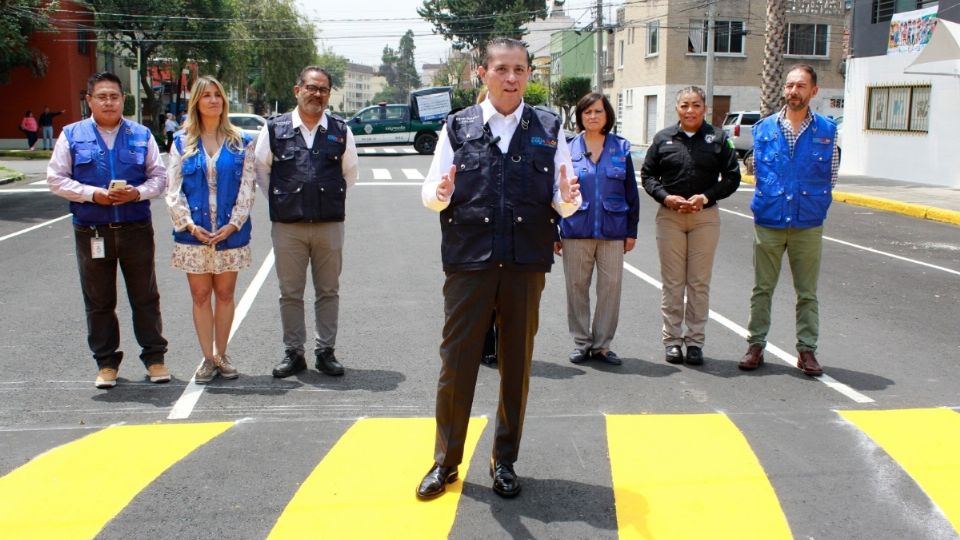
598, 27
711, 53
136, 94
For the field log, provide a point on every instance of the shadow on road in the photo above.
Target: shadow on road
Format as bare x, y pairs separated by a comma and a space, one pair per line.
857, 380
549, 501
371, 380
128, 391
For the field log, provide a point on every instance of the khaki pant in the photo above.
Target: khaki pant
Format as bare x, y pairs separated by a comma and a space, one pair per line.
319, 246
580, 256
687, 244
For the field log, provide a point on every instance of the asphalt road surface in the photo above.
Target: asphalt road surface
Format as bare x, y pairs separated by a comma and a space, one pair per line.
644, 450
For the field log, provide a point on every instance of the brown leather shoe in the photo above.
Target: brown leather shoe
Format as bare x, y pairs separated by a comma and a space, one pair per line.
808, 364
753, 359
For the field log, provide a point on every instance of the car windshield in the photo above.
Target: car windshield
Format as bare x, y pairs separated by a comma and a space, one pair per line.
750, 119
730, 119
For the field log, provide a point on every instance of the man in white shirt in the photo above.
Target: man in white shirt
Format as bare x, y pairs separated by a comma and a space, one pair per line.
305, 161
499, 179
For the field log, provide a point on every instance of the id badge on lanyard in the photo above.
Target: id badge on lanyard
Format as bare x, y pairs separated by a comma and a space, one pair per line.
98, 249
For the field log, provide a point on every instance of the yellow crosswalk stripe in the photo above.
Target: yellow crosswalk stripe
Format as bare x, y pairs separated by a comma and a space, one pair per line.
74, 490
689, 476
926, 444
365, 486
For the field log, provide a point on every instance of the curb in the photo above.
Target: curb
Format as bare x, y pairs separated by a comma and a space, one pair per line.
919, 211
11, 179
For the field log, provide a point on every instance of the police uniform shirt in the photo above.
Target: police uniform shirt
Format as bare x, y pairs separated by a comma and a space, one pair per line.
264, 156
502, 126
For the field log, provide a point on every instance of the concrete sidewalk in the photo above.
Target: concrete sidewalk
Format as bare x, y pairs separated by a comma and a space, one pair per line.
924, 201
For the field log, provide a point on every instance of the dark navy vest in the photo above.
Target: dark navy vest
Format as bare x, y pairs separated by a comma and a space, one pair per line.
95, 165
195, 188
500, 213
792, 191
307, 184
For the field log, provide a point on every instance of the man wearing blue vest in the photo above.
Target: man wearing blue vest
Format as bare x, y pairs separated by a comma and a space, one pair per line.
509, 162
305, 161
109, 168
796, 162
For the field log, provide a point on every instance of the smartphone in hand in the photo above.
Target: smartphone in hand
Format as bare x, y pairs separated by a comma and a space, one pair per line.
117, 184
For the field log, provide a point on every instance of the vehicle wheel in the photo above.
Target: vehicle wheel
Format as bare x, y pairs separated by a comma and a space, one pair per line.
425, 143
748, 162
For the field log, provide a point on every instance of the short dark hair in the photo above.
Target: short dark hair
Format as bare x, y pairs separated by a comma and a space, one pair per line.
504, 43
805, 67
103, 76
587, 101
303, 74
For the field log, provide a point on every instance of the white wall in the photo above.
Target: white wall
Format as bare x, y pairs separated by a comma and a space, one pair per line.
926, 158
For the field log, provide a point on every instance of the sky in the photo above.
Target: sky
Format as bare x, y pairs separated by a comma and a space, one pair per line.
359, 29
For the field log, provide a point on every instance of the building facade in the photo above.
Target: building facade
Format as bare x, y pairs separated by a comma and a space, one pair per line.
900, 121
360, 84
71, 55
660, 47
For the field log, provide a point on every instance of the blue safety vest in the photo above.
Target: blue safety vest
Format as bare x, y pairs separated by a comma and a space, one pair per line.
604, 213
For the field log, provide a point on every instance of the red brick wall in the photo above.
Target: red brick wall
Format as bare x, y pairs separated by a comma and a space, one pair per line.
66, 78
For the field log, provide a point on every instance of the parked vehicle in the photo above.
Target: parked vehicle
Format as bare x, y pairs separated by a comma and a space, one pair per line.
416, 123
250, 124
738, 126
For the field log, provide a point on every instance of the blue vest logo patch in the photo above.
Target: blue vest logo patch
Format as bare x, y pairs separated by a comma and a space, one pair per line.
540, 141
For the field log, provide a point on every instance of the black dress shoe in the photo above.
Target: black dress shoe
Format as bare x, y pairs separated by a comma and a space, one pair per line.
694, 356
435, 482
579, 356
674, 354
609, 358
505, 481
489, 360
327, 362
293, 362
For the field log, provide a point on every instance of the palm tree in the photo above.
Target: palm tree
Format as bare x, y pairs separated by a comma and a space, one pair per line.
775, 40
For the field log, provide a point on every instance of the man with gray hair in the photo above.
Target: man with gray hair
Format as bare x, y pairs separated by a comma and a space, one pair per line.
305, 161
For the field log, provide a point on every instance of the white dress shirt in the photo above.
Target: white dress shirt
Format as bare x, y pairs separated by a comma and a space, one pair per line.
264, 156
60, 169
502, 126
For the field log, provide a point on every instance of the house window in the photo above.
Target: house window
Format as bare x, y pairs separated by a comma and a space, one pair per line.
629, 99
808, 39
630, 36
883, 10
620, 51
620, 110
898, 108
728, 38
653, 38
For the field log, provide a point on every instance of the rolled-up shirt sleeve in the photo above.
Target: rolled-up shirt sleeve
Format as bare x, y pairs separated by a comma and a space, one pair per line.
351, 162
263, 163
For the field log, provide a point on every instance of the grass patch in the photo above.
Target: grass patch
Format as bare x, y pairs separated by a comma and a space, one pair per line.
26, 154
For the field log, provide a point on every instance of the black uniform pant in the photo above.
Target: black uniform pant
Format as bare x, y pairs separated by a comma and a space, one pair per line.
129, 246
470, 298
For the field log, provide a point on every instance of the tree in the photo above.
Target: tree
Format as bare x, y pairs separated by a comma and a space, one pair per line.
335, 65
399, 67
472, 23
20, 19
772, 77
536, 93
407, 76
566, 93
210, 52
388, 65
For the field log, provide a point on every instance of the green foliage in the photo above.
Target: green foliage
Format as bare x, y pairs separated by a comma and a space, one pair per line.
391, 94
568, 91
463, 97
20, 19
335, 65
129, 105
471, 23
536, 93
399, 67
407, 76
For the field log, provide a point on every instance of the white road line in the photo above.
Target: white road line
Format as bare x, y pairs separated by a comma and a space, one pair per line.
867, 249
24, 190
28, 229
191, 394
381, 174
388, 184
38, 183
789, 359
412, 174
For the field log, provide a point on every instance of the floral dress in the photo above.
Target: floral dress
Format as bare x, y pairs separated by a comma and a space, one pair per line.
202, 259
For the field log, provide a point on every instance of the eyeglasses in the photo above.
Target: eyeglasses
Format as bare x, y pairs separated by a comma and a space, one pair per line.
311, 89
107, 98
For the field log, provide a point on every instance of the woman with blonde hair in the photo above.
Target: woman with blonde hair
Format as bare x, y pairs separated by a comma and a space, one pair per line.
209, 194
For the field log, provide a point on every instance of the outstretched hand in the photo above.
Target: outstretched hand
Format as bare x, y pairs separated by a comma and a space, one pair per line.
445, 187
569, 186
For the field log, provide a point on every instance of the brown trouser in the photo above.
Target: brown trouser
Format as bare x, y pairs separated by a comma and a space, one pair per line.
470, 299
687, 244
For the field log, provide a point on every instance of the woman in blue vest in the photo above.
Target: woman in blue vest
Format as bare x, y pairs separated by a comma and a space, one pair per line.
209, 194
600, 232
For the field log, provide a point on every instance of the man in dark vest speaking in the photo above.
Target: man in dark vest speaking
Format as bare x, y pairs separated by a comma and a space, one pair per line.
305, 161
499, 178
